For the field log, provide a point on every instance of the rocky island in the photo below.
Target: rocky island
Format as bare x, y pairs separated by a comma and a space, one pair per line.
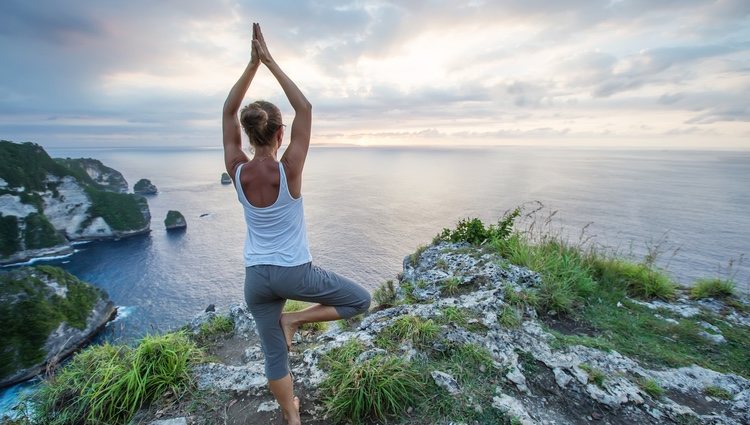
47, 204
145, 187
45, 315
484, 326
174, 220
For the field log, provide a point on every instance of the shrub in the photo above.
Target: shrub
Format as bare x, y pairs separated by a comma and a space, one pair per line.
9, 237
712, 288
40, 233
473, 230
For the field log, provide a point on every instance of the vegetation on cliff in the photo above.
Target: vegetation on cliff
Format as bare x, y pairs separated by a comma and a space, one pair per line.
33, 179
31, 309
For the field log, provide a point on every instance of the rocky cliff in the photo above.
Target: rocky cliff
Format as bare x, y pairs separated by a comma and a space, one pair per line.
46, 204
45, 314
460, 333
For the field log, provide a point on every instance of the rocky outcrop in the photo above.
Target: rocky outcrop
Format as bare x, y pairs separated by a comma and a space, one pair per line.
145, 187
104, 177
174, 220
541, 381
45, 315
46, 204
225, 179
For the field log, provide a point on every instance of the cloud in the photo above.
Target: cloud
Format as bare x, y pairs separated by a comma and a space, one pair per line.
154, 71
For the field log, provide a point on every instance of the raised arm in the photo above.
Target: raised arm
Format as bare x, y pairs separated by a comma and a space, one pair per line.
233, 154
295, 155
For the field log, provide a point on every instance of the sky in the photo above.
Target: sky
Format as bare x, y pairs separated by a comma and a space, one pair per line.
642, 73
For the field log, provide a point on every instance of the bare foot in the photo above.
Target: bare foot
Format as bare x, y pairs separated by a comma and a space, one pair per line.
289, 328
295, 419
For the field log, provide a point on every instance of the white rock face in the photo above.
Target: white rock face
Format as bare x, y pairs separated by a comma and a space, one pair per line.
67, 211
12, 205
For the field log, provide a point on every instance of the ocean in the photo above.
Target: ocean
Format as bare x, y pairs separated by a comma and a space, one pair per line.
367, 208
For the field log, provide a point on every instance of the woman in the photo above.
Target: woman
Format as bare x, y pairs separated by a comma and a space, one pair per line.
277, 259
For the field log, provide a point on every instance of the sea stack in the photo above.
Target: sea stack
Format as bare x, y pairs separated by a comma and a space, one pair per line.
175, 220
145, 187
225, 179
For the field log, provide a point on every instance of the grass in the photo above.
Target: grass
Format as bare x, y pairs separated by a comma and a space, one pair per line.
712, 288
509, 317
407, 289
294, 305
450, 286
416, 255
375, 389
408, 328
213, 328
42, 311
651, 387
640, 280
385, 295
596, 376
108, 384
717, 392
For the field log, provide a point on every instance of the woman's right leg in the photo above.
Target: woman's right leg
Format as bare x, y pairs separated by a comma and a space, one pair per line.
266, 310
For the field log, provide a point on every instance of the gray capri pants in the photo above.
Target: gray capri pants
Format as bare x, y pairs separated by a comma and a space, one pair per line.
268, 287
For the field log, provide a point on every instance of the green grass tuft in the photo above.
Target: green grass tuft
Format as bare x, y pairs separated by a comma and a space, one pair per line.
450, 286
108, 384
651, 387
385, 295
717, 392
596, 376
639, 280
213, 328
509, 317
408, 328
375, 389
712, 288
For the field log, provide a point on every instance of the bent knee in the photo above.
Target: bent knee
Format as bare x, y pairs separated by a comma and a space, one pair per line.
363, 304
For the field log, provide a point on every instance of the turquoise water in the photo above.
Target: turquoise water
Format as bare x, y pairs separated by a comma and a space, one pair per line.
367, 208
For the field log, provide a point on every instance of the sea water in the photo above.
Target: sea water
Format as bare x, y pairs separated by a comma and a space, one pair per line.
367, 208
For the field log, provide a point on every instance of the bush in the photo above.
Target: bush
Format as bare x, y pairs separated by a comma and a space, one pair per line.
9, 237
40, 233
712, 288
108, 384
474, 232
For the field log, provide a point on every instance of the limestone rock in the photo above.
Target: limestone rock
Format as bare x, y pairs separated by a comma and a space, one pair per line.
446, 382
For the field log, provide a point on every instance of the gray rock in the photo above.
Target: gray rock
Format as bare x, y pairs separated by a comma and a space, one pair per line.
446, 382
145, 187
173, 421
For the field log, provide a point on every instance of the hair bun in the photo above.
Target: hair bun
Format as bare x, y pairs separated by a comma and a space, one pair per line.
255, 118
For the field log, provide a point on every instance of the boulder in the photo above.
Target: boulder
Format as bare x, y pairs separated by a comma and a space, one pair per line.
225, 179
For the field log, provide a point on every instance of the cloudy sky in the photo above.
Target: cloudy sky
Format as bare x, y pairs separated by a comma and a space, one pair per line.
667, 73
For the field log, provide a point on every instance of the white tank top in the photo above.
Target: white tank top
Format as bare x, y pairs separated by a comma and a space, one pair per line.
276, 234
